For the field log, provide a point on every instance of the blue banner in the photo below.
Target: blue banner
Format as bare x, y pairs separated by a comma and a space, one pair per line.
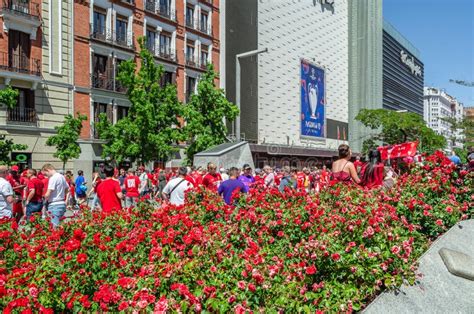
313, 99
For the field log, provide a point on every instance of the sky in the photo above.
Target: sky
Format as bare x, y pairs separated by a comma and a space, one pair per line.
443, 31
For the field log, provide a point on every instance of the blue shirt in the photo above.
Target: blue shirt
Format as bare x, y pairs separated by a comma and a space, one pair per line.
455, 159
287, 182
227, 188
80, 181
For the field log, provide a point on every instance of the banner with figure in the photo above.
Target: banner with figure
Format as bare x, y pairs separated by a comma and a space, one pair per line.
407, 149
313, 100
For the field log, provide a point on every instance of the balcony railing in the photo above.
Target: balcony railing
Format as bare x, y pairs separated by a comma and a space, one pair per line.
160, 9
122, 39
27, 115
162, 52
19, 63
203, 64
27, 9
106, 82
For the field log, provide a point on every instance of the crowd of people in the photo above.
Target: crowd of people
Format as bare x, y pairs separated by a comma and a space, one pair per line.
50, 193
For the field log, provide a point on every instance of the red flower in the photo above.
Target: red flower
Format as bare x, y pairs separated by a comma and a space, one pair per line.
336, 256
395, 249
311, 270
81, 258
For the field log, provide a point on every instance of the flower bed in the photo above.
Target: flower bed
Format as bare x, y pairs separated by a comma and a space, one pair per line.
332, 252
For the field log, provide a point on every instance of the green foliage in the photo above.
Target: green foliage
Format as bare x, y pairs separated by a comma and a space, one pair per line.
399, 127
464, 126
205, 115
6, 148
9, 97
150, 131
462, 154
66, 138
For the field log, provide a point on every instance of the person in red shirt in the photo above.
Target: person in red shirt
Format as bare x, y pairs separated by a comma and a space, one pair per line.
14, 179
259, 177
34, 194
197, 176
110, 192
372, 173
212, 179
132, 184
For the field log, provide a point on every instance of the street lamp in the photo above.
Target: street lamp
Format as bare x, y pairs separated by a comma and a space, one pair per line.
237, 82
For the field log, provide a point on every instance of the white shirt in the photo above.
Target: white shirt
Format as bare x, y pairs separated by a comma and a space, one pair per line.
224, 176
5, 191
143, 182
58, 186
177, 197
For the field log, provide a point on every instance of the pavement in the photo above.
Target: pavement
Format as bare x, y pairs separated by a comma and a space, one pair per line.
438, 291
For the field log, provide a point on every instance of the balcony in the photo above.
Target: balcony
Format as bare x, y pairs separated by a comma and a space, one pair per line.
163, 52
106, 82
21, 8
120, 39
20, 64
23, 115
162, 10
203, 65
21, 15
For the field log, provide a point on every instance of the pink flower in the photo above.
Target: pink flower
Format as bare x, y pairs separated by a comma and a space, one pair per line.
439, 222
395, 249
241, 285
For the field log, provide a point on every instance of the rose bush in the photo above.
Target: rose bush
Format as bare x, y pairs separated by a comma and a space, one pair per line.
331, 252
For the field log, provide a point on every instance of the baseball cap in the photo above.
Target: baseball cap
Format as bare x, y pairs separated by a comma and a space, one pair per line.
15, 168
246, 166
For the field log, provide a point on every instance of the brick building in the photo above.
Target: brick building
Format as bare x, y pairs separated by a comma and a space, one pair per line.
183, 35
35, 48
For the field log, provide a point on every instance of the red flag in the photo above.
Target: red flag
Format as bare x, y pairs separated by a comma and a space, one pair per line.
398, 150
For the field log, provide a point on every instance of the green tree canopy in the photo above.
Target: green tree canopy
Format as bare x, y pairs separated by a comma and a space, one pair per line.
9, 97
66, 138
463, 127
398, 127
151, 130
205, 115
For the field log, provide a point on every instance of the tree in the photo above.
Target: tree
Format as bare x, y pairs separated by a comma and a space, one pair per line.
66, 138
150, 130
399, 127
205, 115
9, 97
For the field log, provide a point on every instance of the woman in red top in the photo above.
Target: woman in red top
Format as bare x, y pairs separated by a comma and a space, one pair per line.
343, 170
373, 172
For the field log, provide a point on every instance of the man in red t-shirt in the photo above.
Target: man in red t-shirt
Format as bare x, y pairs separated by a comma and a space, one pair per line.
197, 176
212, 179
34, 194
132, 184
110, 192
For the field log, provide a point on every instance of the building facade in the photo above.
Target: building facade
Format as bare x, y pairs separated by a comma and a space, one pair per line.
35, 47
308, 56
183, 35
438, 106
403, 73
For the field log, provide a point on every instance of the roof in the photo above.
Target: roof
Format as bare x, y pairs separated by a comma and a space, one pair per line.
220, 149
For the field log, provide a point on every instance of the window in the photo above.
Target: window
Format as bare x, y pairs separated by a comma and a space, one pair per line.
166, 78
100, 108
121, 26
190, 87
25, 109
190, 16
122, 112
165, 45
190, 53
203, 22
101, 72
118, 85
150, 40
19, 47
99, 24
204, 55
165, 7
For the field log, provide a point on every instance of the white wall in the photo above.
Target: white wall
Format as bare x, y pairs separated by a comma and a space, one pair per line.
302, 29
